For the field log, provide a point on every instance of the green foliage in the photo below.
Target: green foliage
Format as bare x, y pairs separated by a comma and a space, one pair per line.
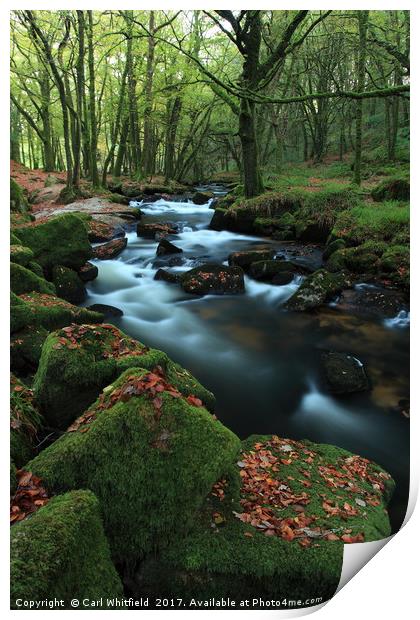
373, 222
150, 468
61, 240
21, 255
25, 422
18, 201
61, 552
393, 188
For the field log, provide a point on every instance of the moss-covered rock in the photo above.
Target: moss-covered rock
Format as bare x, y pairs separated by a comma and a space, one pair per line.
68, 285
317, 289
23, 280
214, 280
333, 246
88, 272
39, 309
344, 373
62, 240
36, 268
267, 269
26, 347
79, 360
21, 255
245, 258
25, 422
276, 525
61, 552
18, 200
149, 454
393, 188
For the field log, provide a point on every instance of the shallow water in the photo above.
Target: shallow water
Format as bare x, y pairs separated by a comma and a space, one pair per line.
262, 362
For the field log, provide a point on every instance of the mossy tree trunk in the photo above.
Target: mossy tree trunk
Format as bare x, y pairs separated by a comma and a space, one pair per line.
362, 17
93, 145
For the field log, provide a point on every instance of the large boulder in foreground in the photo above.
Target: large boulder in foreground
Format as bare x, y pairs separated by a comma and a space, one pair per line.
78, 361
150, 455
317, 289
344, 373
276, 522
62, 240
213, 280
61, 552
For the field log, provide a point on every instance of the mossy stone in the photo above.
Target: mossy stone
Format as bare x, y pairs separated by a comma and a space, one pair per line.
332, 247
317, 289
62, 240
150, 464
26, 347
61, 552
18, 200
22, 280
21, 255
68, 285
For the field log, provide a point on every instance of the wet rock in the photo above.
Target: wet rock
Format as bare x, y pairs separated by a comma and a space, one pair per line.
213, 279
368, 300
88, 272
167, 276
166, 247
285, 277
317, 289
344, 373
201, 198
244, 259
107, 311
238, 220
155, 230
312, 232
68, 285
110, 250
99, 231
266, 269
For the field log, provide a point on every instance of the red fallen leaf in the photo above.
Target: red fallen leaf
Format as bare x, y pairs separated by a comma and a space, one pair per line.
18, 388
157, 402
270, 532
287, 533
193, 400
25, 478
305, 542
353, 539
249, 534
285, 461
332, 537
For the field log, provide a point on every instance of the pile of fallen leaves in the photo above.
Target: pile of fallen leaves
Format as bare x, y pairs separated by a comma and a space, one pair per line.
76, 336
30, 495
268, 490
151, 385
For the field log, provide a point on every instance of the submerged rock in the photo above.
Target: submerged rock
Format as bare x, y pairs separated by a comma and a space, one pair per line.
166, 247
317, 289
111, 249
213, 279
245, 258
167, 276
268, 269
150, 455
201, 198
61, 552
62, 240
88, 272
344, 373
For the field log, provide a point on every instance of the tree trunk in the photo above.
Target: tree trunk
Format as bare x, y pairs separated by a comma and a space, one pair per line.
250, 165
173, 119
92, 106
363, 20
148, 142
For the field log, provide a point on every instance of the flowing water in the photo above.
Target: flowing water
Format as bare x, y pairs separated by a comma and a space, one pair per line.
262, 362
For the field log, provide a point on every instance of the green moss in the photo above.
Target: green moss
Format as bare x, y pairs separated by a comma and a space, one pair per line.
150, 467
26, 347
395, 257
77, 362
36, 268
38, 309
13, 480
333, 246
23, 280
20, 255
61, 552
316, 289
68, 284
373, 222
394, 188
18, 201
25, 422
233, 559
61, 240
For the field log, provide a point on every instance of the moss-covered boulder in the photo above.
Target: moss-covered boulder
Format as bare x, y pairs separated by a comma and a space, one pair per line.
214, 280
148, 453
23, 280
39, 309
18, 200
317, 289
333, 246
393, 188
267, 269
88, 272
276, 525
79, 360
201, 198
21, 255
61, 552
62, 240
25, 349
344, 373
25, 422
245, 258
68, 285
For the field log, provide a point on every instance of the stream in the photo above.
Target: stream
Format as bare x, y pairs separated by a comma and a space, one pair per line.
262, 362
